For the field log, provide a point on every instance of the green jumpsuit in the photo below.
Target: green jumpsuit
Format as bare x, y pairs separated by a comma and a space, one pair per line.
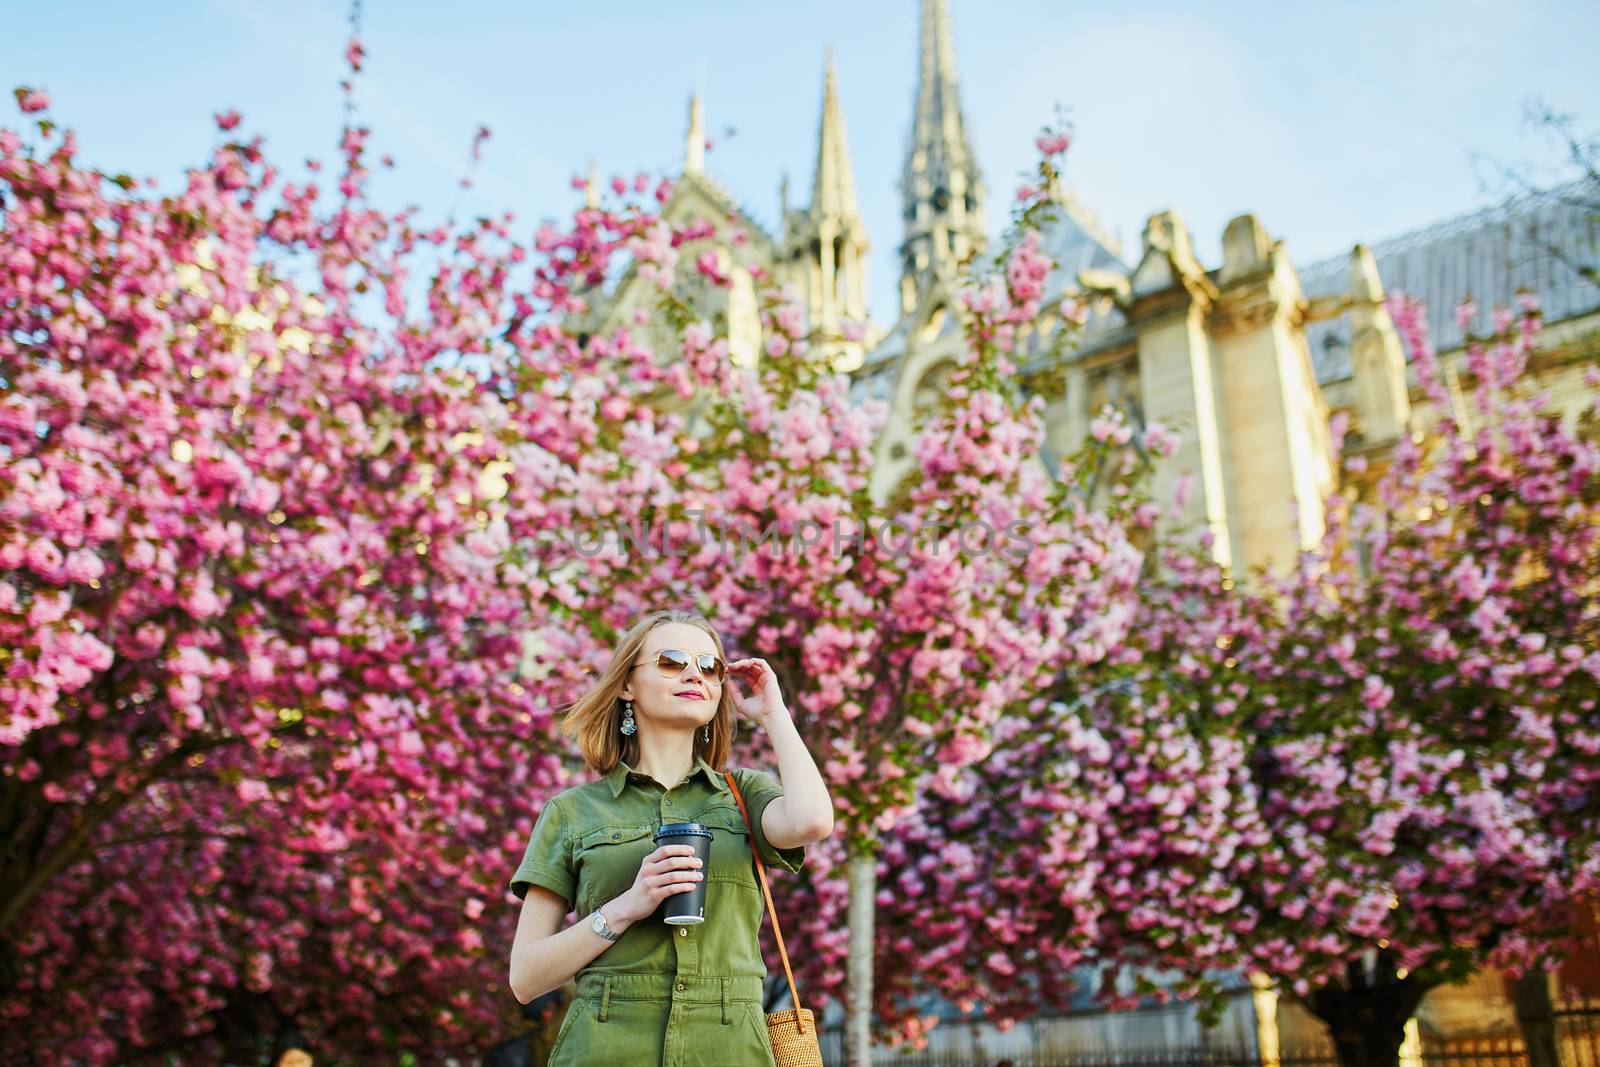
662, 996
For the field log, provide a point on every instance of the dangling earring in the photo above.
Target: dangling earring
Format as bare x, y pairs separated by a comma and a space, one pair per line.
628, 725
705, 735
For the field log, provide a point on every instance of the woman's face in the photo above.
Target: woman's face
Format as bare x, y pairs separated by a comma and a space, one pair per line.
656, 697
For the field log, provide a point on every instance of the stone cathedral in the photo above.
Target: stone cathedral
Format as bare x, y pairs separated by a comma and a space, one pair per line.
1247, 359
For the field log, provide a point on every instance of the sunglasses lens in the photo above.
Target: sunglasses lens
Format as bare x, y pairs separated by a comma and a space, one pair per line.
674, 661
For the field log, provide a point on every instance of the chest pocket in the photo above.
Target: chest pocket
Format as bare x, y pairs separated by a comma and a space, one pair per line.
731, 858
608, 859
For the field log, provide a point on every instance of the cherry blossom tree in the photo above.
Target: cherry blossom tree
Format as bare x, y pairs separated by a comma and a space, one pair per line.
1375, 774
963, 896
1000, 891
263, 711
1429, 709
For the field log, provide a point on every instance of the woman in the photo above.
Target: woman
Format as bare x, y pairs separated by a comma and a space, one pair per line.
657, 728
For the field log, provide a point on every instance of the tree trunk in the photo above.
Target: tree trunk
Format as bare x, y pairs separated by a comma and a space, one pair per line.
1536, 1016
862, 867
1367, 1013
36, 852
242, 1024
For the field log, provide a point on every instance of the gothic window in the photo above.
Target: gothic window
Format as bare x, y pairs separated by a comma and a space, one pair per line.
929, 391
838, 292
1364, 559
1335, 355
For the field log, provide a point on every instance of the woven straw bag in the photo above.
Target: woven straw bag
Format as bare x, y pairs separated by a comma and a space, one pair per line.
793, 1032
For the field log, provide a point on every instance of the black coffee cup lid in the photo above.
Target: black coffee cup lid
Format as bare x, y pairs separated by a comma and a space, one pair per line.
682, 829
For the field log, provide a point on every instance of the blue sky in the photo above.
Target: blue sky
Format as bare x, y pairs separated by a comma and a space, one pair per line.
1334, 123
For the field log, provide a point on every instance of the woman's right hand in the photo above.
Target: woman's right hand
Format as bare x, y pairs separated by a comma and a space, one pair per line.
669, 869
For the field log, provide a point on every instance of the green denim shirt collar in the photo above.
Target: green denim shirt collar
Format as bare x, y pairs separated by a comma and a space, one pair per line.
619, 776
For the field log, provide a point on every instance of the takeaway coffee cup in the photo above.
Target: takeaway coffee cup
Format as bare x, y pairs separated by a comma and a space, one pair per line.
683, 909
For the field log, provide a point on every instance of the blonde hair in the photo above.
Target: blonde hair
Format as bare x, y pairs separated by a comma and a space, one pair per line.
595, 718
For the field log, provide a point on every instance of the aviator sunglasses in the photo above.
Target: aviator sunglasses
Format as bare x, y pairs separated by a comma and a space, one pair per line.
674, 661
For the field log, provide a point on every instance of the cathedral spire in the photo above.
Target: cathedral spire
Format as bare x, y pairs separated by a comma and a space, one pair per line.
834, 192
942, 187
825, 245
694, 148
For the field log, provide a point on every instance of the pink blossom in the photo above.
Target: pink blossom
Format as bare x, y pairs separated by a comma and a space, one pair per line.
1053, 144
1160, 440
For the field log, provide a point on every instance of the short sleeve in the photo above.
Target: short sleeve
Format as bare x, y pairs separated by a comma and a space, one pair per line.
760, 789
548, 858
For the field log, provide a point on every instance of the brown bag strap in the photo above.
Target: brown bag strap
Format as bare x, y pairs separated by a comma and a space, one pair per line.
766, 891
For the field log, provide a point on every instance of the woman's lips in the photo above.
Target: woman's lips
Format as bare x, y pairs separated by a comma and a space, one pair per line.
690, 696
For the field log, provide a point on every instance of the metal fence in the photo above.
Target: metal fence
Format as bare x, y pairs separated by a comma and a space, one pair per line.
1195, 1056
1173, 1057
1578, 1031
1577, 1026
1496, 1050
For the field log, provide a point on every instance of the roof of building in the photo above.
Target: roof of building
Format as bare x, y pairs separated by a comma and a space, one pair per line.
726, 202
1531, 242
1077, 242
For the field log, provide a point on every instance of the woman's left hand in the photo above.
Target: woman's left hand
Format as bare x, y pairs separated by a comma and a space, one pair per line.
757, 675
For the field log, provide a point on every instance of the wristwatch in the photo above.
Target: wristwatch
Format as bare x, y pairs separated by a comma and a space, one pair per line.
597, 923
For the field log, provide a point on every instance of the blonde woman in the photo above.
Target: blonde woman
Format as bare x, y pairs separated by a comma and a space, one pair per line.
657, 728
